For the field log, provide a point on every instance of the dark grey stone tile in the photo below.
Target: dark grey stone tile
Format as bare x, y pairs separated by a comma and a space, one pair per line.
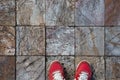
89, 41
30, 68
59, 12
112, 41
60, 41
7, 12
112, 68
7, 68
89, 12
30, 40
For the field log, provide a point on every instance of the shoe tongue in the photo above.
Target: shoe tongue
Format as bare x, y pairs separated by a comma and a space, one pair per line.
83, 76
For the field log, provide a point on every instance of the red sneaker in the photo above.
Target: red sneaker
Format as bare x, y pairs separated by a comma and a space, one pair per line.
83, 71
56, 71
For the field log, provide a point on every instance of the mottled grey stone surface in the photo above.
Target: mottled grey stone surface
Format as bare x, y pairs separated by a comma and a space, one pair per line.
30, 12
7, 68
89, 12
7, 40
7, 12
30, 40
97, 65
30, 68
112, 41
59, 12
112, 68
60, 41
89, 40
112, 12
67, 63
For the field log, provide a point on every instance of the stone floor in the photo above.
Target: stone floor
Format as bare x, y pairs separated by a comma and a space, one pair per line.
35, 32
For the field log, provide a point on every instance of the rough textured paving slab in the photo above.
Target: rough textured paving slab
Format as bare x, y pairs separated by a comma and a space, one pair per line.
30, 40
89, 40
7, 40
89, 12
30, 12
67, 63
112, 12
97, 65
59, 12
7, 12
60, 41
30, 68
112, 41
113, 68
7, 68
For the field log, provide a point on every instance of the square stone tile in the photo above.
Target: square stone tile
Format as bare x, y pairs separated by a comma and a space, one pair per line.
7, 68
30, 68
113, 68
7, 40
59, 12
7, 12
97, 66
30, 40
89, 12
67, 63
112, 12
89, 40
60, 41
112, 41
30, 12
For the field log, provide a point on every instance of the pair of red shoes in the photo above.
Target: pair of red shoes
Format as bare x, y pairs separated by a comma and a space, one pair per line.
83, 71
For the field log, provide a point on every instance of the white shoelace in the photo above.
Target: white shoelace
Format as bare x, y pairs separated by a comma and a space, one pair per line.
83, 76
58, 76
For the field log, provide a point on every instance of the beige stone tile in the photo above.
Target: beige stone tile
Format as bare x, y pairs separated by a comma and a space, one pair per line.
112, 12
7, 40
30, 12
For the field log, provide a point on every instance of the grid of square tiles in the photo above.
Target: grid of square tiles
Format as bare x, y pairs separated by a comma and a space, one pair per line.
70, 45
60, 12
42, 34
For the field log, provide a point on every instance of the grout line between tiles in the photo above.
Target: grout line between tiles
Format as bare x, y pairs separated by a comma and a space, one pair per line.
45, 45
74, 51
74, 40
15, 55
15, 40
104, 56
45, 55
